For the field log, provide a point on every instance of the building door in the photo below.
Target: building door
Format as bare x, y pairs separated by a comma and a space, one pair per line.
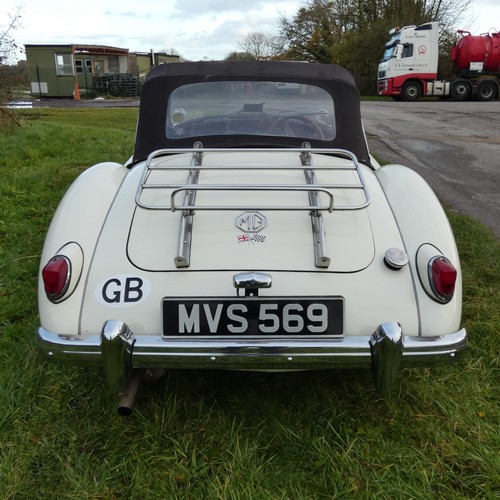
98, 66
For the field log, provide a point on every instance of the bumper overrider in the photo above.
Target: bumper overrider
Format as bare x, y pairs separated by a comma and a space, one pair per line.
120, 352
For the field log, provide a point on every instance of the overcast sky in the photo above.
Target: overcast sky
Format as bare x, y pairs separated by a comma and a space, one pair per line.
196, 29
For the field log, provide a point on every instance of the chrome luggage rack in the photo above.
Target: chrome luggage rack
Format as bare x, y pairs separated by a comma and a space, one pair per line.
192, 186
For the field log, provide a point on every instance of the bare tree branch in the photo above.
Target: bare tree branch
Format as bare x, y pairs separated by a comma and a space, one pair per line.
7, 41
258, 46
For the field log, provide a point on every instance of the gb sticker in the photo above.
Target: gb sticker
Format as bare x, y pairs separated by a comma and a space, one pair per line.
122, 290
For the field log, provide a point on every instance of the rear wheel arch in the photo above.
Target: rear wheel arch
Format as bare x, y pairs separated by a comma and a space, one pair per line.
82, 210
421, 220
417, 210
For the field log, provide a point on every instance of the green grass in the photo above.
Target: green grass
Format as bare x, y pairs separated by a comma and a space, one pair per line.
199, 434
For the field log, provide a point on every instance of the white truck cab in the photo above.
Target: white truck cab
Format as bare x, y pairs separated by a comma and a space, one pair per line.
410, 59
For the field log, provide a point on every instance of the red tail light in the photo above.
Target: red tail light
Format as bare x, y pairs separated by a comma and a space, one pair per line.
443, 278
56, 276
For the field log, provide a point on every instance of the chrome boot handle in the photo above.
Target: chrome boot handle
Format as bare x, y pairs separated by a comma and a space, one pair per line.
251, 282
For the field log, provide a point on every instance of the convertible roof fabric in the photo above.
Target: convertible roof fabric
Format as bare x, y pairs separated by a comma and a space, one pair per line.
163, 79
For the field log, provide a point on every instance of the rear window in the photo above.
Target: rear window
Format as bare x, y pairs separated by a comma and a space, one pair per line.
254, 108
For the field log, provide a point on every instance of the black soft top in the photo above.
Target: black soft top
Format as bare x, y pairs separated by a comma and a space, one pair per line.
164, 79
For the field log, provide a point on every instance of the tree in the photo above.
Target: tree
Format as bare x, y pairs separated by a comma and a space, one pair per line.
238, 56
360, 52
8, 47
7, 43
311, 32
259, 47
352, 33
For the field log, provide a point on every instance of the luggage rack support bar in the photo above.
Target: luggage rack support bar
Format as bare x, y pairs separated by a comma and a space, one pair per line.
183, 257
318, 229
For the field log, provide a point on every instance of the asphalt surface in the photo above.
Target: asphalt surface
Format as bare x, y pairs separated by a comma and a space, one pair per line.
455, 146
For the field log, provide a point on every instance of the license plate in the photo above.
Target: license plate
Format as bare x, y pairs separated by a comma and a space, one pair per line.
253, 316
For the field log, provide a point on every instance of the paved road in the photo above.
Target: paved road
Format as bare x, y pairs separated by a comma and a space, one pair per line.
454, 146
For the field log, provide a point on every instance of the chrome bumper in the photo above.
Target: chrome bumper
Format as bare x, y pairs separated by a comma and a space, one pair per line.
385, 351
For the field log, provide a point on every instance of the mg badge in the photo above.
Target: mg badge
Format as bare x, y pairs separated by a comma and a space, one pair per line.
251, 222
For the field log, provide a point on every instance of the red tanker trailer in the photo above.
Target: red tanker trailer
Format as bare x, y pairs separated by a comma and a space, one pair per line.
408, 69
482, 51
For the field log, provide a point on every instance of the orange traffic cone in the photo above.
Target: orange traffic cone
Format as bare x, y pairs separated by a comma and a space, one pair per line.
76, 93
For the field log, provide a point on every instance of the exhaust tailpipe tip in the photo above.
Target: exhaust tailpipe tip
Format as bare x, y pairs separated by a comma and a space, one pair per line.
128, 397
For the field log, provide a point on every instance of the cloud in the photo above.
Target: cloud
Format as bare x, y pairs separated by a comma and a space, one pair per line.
132, 14
197, 7
194, 28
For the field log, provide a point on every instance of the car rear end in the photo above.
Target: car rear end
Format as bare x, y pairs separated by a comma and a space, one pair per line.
251, 230
253, 260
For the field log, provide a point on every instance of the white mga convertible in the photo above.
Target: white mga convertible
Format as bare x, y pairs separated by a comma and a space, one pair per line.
250, 230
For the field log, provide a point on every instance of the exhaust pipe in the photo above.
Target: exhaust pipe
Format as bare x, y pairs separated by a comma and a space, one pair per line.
117, 344
128, 397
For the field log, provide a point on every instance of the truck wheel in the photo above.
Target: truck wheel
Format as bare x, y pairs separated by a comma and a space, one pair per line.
410, 91
486, 91
460, 90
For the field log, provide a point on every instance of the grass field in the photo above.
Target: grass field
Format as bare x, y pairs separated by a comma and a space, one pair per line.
216, 434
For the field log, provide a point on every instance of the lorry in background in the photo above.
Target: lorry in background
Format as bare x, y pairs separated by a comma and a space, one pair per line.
408, 68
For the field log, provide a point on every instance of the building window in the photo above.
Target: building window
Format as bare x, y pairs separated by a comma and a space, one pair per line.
64, 65
79, 65
114, 64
